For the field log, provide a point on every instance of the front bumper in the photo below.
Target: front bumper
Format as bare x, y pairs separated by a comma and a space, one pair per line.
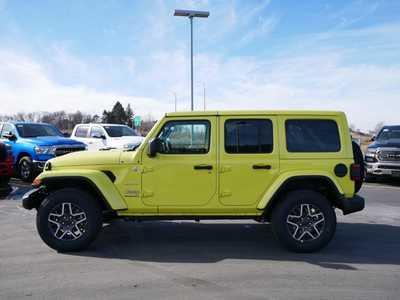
351, 205
383, 169
33, 198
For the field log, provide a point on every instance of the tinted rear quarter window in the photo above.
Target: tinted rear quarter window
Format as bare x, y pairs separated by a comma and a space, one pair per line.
312, 136
248, 136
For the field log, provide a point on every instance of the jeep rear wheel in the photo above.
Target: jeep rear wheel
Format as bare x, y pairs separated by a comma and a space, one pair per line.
304, 221
69, 220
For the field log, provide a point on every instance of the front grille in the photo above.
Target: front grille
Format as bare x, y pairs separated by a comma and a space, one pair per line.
68, 149
388, 167
389, 155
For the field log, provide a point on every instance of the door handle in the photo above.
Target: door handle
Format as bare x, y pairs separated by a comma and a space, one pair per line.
203, 167
261, 166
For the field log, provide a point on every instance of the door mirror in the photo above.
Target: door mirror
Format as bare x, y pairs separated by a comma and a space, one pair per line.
372, 138
103, 137
66, 134
154, 147
10, 136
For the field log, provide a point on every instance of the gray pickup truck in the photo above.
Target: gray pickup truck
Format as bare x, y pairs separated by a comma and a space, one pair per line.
383, 155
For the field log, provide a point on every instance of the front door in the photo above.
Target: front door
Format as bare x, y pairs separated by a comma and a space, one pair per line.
184, 175
249, 160
97, 138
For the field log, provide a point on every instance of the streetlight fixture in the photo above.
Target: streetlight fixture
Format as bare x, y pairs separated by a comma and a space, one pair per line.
191, 14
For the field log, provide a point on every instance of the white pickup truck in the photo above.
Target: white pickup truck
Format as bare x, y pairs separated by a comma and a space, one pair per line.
105, 136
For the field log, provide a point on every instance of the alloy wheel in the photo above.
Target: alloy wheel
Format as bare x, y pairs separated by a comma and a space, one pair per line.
67, 221
25, 169
305, 222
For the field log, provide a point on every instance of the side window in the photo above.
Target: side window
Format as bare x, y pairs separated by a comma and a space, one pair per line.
248, 136
82, 131
96, 131
185, 137
7, 128
312, 136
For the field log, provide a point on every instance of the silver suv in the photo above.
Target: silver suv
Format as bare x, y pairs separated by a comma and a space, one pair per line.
383, 155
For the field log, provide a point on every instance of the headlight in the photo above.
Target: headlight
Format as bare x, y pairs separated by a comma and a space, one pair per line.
45, 150
371, 153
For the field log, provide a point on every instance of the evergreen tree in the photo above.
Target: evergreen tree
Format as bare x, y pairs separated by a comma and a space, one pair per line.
105, 118
118, 115
129, 116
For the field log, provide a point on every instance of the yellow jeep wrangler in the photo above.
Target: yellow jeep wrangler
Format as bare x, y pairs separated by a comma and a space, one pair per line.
290, 168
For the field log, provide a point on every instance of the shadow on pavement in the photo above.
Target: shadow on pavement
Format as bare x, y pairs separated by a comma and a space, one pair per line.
390, 181
205, 243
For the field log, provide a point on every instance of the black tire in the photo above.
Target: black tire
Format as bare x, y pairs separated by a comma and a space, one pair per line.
5, 190
26, 170
78, 238
317, 204
358, 159
4, 180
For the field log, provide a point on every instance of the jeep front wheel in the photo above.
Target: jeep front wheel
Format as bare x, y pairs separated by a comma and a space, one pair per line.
304, 221
69, 220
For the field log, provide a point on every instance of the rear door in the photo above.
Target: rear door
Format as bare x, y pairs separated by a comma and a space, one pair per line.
249, 158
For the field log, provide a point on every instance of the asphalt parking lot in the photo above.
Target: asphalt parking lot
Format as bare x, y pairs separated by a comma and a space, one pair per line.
206, 260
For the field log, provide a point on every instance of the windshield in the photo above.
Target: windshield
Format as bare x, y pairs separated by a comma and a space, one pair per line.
36, 130
389, 133
118, 131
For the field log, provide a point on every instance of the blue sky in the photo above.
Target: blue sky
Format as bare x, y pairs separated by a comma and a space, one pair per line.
342, 55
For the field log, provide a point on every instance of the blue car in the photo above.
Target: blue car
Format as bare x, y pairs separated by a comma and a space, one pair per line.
33, 144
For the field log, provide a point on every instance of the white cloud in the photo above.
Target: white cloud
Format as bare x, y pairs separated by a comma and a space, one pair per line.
264, 26
355, 11
25, 87
368, 93
328, 70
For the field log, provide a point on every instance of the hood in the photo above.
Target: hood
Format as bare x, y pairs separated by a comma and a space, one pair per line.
385, 144
119, 142
87, 158
51, 141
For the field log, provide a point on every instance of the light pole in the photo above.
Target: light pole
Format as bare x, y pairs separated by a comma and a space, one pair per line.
191, 14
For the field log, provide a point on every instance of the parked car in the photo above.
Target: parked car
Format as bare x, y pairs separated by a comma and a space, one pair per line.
106, 136
6, 169
288, 168
6, 163
33, 144
383, 155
